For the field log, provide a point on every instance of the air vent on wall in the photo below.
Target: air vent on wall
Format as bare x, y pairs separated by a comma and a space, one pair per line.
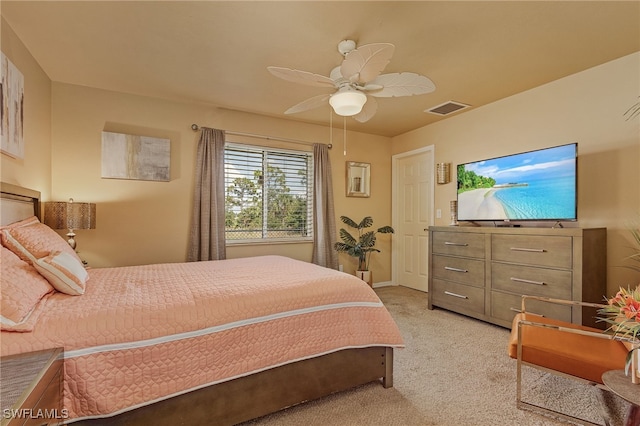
447, 108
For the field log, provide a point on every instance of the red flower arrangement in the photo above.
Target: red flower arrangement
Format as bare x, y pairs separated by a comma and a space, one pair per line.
623, 314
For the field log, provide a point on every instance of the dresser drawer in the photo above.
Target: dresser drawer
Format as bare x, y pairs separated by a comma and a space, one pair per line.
530, 280
460, 270
505, 306
458, 297
458, 244
540, 250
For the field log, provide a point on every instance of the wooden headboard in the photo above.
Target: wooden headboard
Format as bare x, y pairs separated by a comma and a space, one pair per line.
17, 203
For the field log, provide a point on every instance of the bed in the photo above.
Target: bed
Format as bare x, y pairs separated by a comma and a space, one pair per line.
218, 342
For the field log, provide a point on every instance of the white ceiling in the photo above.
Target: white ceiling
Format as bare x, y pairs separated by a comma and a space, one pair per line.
216, 52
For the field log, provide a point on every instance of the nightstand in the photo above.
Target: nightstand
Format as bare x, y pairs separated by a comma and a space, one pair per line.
31, 390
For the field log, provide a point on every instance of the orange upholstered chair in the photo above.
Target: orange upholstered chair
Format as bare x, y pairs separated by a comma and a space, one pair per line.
562, 348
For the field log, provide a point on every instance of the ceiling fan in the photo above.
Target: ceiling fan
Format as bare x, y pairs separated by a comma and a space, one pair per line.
357, 81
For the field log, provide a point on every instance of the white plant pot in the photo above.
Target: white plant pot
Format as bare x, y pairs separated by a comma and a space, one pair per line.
365, 276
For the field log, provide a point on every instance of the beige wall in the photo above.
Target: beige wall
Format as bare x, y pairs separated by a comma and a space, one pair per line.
587, 108
143, 222
34, 170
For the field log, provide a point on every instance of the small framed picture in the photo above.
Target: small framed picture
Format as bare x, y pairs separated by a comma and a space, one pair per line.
358, 178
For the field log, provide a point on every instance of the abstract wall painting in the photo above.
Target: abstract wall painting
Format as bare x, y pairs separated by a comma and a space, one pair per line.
12, 112
135, 157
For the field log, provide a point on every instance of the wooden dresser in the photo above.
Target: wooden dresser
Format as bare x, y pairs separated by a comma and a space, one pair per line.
32, 388
482, 272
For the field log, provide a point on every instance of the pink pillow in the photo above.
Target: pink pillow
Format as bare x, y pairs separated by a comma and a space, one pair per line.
22, 289
35, 241
24, 222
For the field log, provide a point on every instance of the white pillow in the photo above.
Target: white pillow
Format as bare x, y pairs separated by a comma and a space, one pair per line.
64, 272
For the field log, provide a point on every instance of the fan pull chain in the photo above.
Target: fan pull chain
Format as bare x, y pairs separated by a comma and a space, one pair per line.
330, 126
344, 136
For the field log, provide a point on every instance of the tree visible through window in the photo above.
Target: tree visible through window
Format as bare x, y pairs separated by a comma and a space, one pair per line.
267, 193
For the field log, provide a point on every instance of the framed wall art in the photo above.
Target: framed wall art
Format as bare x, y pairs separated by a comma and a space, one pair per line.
358, 179
12, 112
135, 157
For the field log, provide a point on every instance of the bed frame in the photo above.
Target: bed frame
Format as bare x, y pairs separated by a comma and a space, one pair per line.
245, 398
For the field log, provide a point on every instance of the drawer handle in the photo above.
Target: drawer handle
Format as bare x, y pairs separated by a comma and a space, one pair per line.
528, 249
450, 268
449, 243
522, 280
448, 293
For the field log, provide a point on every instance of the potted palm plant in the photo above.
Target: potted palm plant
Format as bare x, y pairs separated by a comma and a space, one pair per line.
361, 247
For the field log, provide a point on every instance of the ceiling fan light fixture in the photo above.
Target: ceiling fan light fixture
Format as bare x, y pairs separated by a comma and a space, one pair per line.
347, 101
358, 80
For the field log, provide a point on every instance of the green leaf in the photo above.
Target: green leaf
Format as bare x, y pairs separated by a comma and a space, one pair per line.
347, 237
386, 230
368, 239
365, 223
349, 222
628, 362
355, 251
341, 247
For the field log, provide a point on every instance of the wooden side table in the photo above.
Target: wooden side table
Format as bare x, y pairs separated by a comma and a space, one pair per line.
31, 388
621, 385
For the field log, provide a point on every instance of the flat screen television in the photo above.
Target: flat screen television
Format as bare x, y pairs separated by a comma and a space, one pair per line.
538, 185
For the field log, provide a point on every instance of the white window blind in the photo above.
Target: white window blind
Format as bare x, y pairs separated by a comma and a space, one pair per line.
268, 194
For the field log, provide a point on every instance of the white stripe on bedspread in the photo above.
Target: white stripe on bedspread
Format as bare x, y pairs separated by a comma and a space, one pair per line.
214, 329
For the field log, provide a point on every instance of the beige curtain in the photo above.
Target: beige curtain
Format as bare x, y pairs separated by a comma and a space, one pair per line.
206, 239
324, 221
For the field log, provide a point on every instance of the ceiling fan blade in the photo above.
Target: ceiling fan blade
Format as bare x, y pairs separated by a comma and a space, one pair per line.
366, 62
368, 110
310, 103
302, 77
371, 87
401, 84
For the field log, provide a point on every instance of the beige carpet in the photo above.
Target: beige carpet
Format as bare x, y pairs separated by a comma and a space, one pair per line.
453, 371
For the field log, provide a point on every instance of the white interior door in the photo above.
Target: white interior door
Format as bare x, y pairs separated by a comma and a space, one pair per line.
412, 215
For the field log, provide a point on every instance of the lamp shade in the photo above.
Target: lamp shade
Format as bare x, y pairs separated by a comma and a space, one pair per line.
347, 101
69, 215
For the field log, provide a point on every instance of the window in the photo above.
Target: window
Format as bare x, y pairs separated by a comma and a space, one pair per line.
268, 194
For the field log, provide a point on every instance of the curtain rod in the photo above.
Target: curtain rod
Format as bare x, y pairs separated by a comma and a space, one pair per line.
195, 128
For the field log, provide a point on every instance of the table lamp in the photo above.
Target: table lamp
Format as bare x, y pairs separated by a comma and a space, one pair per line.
70, 215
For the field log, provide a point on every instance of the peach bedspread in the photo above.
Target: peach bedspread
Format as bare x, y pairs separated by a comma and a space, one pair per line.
145, 333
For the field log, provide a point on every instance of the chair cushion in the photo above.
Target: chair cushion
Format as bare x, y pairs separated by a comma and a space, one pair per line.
578, 355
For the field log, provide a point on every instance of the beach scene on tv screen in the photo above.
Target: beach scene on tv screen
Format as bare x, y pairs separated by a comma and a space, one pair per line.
537, 185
